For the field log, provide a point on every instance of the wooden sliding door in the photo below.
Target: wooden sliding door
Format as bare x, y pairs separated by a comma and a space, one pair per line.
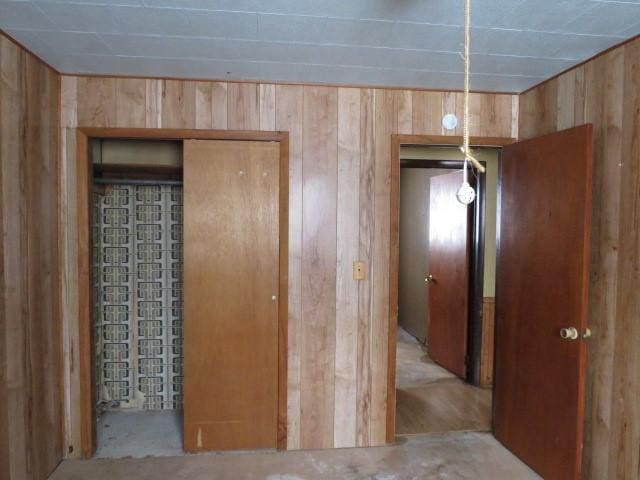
231, 279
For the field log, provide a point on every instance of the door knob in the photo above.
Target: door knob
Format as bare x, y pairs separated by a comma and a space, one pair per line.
569, 333
429, 279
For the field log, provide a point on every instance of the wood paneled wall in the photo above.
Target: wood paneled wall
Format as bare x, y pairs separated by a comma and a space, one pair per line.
338, 212
606, 92
30, 393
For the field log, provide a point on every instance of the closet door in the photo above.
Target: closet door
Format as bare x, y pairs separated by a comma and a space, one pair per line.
230, 302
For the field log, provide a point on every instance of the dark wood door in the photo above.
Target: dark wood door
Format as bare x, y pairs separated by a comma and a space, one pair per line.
231, 282
448, 288
542, 281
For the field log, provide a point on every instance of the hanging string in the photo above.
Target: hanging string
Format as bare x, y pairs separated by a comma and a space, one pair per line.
467, 68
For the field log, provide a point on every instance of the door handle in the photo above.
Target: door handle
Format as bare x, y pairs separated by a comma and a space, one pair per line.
569, 333
429, 279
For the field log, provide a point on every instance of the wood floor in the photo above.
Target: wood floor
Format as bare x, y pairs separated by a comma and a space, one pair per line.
430, 399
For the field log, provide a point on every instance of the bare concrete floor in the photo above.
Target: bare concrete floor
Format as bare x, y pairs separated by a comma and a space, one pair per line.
139, 434
459, 456
430, 399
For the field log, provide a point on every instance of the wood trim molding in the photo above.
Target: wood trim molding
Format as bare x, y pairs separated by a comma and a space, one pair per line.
182, 134
394, 245
84, 180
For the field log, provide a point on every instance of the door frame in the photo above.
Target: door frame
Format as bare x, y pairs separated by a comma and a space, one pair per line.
397, 141
84, 182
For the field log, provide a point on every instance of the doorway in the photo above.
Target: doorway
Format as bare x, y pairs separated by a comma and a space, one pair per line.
137, 364
138, 297
446, 274
545, 188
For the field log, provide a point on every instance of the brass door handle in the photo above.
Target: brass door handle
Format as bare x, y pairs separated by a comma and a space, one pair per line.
569, 333
429, 279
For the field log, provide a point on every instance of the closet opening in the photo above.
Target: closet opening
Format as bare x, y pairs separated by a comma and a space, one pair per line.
167, 251
137, 310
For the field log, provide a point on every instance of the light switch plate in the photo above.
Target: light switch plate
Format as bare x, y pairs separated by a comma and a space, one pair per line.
358, 270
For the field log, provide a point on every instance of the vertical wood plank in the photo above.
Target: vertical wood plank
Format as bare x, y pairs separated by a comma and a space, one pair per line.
243, 107
69, 290
43, 87
515, 116
69, 102
624, 451
178, 104
219, 105
98, 105
348, 198
566, 100
385, 125
30, 390
579, 94
67, 256
427, 113
204, 105
5, 458
211, 105
267, 100
153, 103
131, 105
14, 251
365, 289
289, 117
603, 108
318, 267
404, 106
527, 115
489, 115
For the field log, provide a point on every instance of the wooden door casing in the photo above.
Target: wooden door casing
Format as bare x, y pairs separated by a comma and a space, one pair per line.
542, 286
231, 275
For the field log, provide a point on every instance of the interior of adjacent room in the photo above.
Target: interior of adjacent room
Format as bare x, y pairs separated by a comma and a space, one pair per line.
440, 393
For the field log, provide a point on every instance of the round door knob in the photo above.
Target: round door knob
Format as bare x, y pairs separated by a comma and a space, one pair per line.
429, 279
569, 333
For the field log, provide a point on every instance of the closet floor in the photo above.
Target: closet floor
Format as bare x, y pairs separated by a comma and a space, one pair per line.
430, 399
139, 434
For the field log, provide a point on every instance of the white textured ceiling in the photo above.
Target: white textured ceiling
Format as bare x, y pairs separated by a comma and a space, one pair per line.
413, 43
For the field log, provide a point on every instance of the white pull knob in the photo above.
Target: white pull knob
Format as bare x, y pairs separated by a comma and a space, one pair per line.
569, 333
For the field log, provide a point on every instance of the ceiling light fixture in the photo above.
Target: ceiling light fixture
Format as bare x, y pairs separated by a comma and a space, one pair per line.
466, 194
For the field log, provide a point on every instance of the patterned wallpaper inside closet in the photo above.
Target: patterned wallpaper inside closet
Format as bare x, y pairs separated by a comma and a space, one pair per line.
138, 296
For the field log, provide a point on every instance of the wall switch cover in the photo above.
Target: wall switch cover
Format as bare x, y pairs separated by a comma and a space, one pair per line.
358, 270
